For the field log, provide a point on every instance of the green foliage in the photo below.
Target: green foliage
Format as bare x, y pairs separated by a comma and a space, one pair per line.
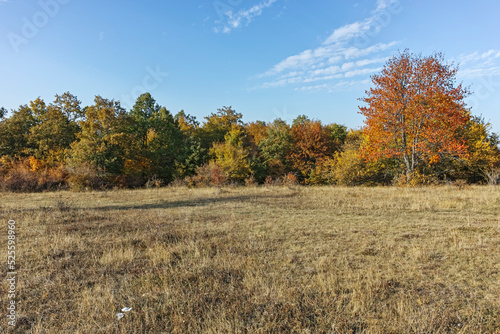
14, 132
103, 141
70, 106
158, 138
190, 158
300, 120
61, 144
3, 113
338, 135
217, 125
187, 124
52, 133
192, 154
276, 147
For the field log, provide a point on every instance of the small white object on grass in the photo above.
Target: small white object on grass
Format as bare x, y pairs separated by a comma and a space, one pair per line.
126, 309
119, 316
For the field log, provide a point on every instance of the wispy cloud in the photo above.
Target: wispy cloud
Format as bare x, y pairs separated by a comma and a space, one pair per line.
481, 71
479, 64
233, 20
339, 60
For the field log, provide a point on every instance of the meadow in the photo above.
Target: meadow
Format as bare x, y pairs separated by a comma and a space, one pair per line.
256, 260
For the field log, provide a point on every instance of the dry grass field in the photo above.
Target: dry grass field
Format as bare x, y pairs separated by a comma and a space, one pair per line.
256, 260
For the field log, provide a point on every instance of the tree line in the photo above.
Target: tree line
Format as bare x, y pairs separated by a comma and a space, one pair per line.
417, 130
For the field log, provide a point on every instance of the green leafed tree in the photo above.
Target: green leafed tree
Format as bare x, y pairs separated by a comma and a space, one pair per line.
53, 132
3, 113
15, 132
103, 141
218, 124
158, 138
276, 147
192, 154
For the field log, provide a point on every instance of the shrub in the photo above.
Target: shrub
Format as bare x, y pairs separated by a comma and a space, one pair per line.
250, 181
21, 176
290, 179
416, 179
210, 174
268, 181
85, 177
493, 176
154, 182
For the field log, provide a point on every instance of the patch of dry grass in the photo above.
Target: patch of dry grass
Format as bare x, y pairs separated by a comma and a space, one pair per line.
257, 260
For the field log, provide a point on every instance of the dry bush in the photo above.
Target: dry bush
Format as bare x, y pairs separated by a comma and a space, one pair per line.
415, 180
20, 176
154, 182
460, 184
179, 182
208, 175
290, 179
492, 176
250, 181
85, 177
268, 181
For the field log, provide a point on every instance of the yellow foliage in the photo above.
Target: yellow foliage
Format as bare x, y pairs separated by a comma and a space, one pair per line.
232, 160
151, 136
134, 167
481, 152
35, 164
323, 172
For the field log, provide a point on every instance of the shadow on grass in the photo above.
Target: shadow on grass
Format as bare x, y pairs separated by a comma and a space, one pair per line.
198, 202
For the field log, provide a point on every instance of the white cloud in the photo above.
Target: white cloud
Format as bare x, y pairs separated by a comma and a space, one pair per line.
233, 20
479, 64
332, 87
476, 56
339, 56
316, 65
474, 73
348, 31
363, 71
365, 62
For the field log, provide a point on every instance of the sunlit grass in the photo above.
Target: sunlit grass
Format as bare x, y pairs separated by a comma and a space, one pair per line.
246, 260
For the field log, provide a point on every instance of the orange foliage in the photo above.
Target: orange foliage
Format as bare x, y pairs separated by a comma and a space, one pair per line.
35, 164
28, 175
311, 143
414, 112
256, 132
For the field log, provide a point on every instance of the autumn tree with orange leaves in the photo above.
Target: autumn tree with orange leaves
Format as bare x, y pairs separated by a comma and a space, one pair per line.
414, 112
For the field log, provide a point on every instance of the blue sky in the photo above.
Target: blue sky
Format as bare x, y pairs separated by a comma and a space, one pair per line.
266, 58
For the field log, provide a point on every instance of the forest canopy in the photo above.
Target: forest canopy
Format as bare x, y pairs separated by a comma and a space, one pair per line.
418, 130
